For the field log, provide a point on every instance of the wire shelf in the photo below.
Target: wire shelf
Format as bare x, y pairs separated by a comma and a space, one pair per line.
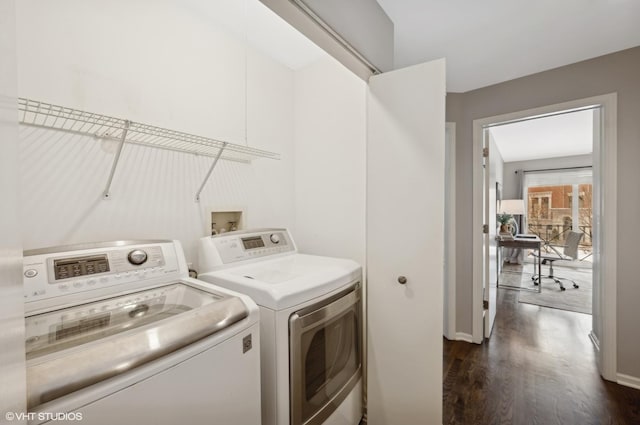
45, 115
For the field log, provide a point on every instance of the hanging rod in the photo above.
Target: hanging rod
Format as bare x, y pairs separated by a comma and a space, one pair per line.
45, 115
582, 167
302, 6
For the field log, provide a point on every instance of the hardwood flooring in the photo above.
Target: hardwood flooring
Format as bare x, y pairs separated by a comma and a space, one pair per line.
538, 367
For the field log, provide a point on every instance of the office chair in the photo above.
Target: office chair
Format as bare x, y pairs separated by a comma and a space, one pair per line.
570, 253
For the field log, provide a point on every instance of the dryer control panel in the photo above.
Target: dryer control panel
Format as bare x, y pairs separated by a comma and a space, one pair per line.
228, 248
53, 272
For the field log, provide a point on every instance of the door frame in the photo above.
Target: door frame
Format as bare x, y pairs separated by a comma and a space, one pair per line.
490, 246
605, 154
450, 234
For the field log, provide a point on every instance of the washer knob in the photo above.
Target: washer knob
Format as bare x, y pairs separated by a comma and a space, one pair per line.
275, 238
137, 257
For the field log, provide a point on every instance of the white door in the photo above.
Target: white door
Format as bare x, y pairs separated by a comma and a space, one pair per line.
405, 222
490, 277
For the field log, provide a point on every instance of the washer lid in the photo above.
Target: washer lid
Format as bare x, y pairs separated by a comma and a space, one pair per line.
75, 347
287, 281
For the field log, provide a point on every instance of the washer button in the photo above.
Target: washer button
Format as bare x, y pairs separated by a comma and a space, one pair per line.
63, 286
78, 283
31, 273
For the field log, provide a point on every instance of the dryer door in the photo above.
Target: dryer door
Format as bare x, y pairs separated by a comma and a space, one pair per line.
325, 356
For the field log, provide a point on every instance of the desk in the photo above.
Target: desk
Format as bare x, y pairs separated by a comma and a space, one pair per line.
524, 243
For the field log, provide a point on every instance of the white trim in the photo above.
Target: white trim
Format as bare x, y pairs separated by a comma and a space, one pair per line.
450, 234
608, 237
605, 319
629, 381
477, 328
461, 336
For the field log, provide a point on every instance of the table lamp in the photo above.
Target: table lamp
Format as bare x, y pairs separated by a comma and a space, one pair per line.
513, 207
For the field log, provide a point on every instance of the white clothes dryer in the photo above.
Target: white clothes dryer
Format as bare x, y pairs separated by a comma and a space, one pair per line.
311, 323
117, 333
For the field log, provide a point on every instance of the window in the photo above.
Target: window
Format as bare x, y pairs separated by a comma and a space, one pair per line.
539, 204
551, 212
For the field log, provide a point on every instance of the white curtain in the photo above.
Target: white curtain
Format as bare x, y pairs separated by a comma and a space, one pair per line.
555, 178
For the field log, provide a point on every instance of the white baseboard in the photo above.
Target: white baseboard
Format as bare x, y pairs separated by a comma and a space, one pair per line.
461, 336
629, 381
621, 378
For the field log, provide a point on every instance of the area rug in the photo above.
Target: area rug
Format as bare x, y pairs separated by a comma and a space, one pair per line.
572, 299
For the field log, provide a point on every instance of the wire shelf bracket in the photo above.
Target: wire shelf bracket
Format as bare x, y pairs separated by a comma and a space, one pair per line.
45, 115
106, 194
213, 165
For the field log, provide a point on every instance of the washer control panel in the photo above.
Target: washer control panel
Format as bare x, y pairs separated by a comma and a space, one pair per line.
242, 246
49, 274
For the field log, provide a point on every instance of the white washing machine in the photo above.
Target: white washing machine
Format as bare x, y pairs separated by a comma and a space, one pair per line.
311, 323
117, 333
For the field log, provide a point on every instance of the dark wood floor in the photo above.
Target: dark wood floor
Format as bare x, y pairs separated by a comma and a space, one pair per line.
537, 368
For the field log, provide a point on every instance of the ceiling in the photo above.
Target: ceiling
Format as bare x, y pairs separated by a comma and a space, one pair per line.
483, 42
548, 137
490, 41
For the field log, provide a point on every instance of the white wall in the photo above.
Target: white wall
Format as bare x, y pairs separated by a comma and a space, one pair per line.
330, 135
497, 171
294, 15
160, 63
363, 24
12, 357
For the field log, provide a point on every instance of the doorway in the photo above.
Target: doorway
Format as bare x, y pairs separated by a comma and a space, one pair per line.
603, 332
544, 165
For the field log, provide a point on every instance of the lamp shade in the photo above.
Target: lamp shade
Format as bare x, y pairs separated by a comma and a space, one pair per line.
512, 206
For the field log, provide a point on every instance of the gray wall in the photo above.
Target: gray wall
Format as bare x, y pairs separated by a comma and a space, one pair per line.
12, 357
618, 72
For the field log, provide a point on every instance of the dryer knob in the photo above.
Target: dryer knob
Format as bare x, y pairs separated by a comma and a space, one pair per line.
275, 238
137, 257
